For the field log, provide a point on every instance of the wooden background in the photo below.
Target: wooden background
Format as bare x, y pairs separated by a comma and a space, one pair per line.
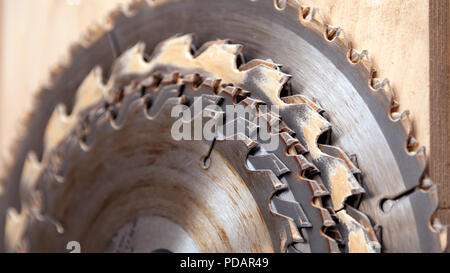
34, 34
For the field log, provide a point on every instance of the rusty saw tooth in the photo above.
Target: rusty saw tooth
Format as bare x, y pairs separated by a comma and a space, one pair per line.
19, 227
306, 190
225, 54
237, 94
335, 173
268, 162
358, 239
15, 227
356, 56
282, 229
128, 64
206, 45
123, 10
296, 150
212, 83
171, 78
339, 179
337, 152
307, 124
60, 124
410, 146
268, 81
379, 84
251, 102
201, 105
175, 51
293, 210
164, 94
91, 91
151, 81
364, 221
297, 99
256, 62
31, 171
270, 165
58, 127
332, 32
117, 112
195, 79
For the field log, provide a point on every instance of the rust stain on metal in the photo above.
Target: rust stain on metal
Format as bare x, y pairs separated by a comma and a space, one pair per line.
357, 242
341, 188
312, 129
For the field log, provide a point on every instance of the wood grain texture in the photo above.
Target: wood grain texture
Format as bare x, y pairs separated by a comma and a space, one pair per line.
2, 163
440, 101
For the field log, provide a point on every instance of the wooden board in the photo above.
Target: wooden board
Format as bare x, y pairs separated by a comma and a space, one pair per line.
34, 34
440, 102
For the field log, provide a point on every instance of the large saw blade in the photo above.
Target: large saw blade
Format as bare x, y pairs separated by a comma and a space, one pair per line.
322, 66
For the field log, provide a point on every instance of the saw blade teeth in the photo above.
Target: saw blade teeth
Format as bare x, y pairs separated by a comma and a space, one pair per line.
58, 127
93, 34
174, 51
306, 13
126, 8
403, 118
289, 234
355, 56
14, 228
30, 173
132, 6
221, 60
332, 32
442, 230
220, 49
357, 238
206, 45
255, 62
130, 62
90, 91
311, 126
298, 99
270, 81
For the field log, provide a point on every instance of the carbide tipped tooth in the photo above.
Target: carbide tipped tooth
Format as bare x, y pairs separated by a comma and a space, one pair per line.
30, 173
206, 45
292, 209
224, 65
337, 152
90, 91
255, 62
93, 34
170, 91
342, 183
14, 227
269, 81
356, 236
308, 125
129, 63
297, 99
58, 127
268, 162
174, 51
